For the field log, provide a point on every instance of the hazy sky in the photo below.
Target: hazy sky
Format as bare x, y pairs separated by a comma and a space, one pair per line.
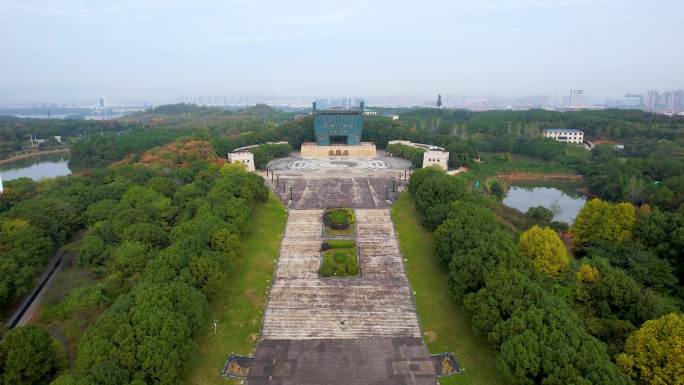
160, 50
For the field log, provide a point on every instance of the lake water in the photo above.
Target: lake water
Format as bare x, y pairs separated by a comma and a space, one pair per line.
37, 167
561, 198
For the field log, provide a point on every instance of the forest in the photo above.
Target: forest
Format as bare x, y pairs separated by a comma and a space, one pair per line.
161, 232
605, 310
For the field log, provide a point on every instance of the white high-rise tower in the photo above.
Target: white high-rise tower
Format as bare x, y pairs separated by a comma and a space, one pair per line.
576, 98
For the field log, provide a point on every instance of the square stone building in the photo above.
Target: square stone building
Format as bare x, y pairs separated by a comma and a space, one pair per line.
338, 133
338, 126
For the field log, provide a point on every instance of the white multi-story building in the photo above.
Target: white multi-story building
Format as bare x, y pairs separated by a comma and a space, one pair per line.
565, 135
439, 158
433, 155
244, 157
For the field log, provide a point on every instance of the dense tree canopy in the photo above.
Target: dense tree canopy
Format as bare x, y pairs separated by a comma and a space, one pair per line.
28, 356
654, 354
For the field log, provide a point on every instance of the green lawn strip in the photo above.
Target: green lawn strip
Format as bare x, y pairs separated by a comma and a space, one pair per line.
240, 304
444, 323
348, 232
520, 163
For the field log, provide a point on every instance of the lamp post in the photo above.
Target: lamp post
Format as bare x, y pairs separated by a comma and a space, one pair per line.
277, 180
290, 192
386, 192
393, 187
283, 186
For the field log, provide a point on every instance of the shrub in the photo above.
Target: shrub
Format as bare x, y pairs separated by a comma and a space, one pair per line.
339, 219
352, 266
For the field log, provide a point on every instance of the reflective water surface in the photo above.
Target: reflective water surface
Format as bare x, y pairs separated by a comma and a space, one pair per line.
561, 198
37, 167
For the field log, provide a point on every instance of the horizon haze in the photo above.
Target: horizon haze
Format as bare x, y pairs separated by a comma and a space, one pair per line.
162, 50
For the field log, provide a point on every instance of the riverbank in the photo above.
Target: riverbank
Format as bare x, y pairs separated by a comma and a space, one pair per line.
515, 176
32, 154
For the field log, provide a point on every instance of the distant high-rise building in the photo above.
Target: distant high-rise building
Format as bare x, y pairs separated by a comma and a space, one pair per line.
652, 99
322, 104
679, 100
103, 103
634, 100
439, 101
576, 98
667, 100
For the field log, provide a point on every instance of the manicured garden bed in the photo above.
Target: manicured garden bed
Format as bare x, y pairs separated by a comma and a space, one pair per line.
339, 222
339, 258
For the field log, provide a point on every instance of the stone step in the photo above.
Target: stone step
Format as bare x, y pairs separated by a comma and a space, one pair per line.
374, 231
331, 323
291, 247
375, 247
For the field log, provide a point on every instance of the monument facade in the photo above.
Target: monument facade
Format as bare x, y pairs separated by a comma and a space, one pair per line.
338, 133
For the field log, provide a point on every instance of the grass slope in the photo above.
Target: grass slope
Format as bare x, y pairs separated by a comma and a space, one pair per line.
239, 306
444, 323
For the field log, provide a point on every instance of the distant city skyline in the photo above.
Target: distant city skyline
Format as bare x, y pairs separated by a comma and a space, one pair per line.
160, 50
655, 100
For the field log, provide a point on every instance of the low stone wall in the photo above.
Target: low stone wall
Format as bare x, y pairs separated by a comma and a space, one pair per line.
311, 150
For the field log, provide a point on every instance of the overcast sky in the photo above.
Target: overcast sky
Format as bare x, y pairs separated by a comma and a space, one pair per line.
159, 50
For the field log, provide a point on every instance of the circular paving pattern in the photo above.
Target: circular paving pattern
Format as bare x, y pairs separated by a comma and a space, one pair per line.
339, 165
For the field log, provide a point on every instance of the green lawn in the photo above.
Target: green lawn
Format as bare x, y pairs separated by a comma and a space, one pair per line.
343, 233
520, 163
444, 323
239, 306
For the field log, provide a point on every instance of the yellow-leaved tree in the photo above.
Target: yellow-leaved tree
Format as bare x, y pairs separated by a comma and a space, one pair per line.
654, 354
546, 248
603, 221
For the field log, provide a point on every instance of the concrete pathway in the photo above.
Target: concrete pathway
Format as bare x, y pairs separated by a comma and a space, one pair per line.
329, 331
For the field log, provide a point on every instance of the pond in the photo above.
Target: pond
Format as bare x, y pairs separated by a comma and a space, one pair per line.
36, 167
562, 198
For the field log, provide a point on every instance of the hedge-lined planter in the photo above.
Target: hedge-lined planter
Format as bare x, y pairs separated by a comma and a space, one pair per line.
339, 258
339, 222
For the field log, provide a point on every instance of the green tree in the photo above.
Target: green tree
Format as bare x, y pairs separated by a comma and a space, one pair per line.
654, 354
472, 243
29, 356
23, 251
546, 344
438, 190
94, 251
545, 248
420, 175
540, 216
